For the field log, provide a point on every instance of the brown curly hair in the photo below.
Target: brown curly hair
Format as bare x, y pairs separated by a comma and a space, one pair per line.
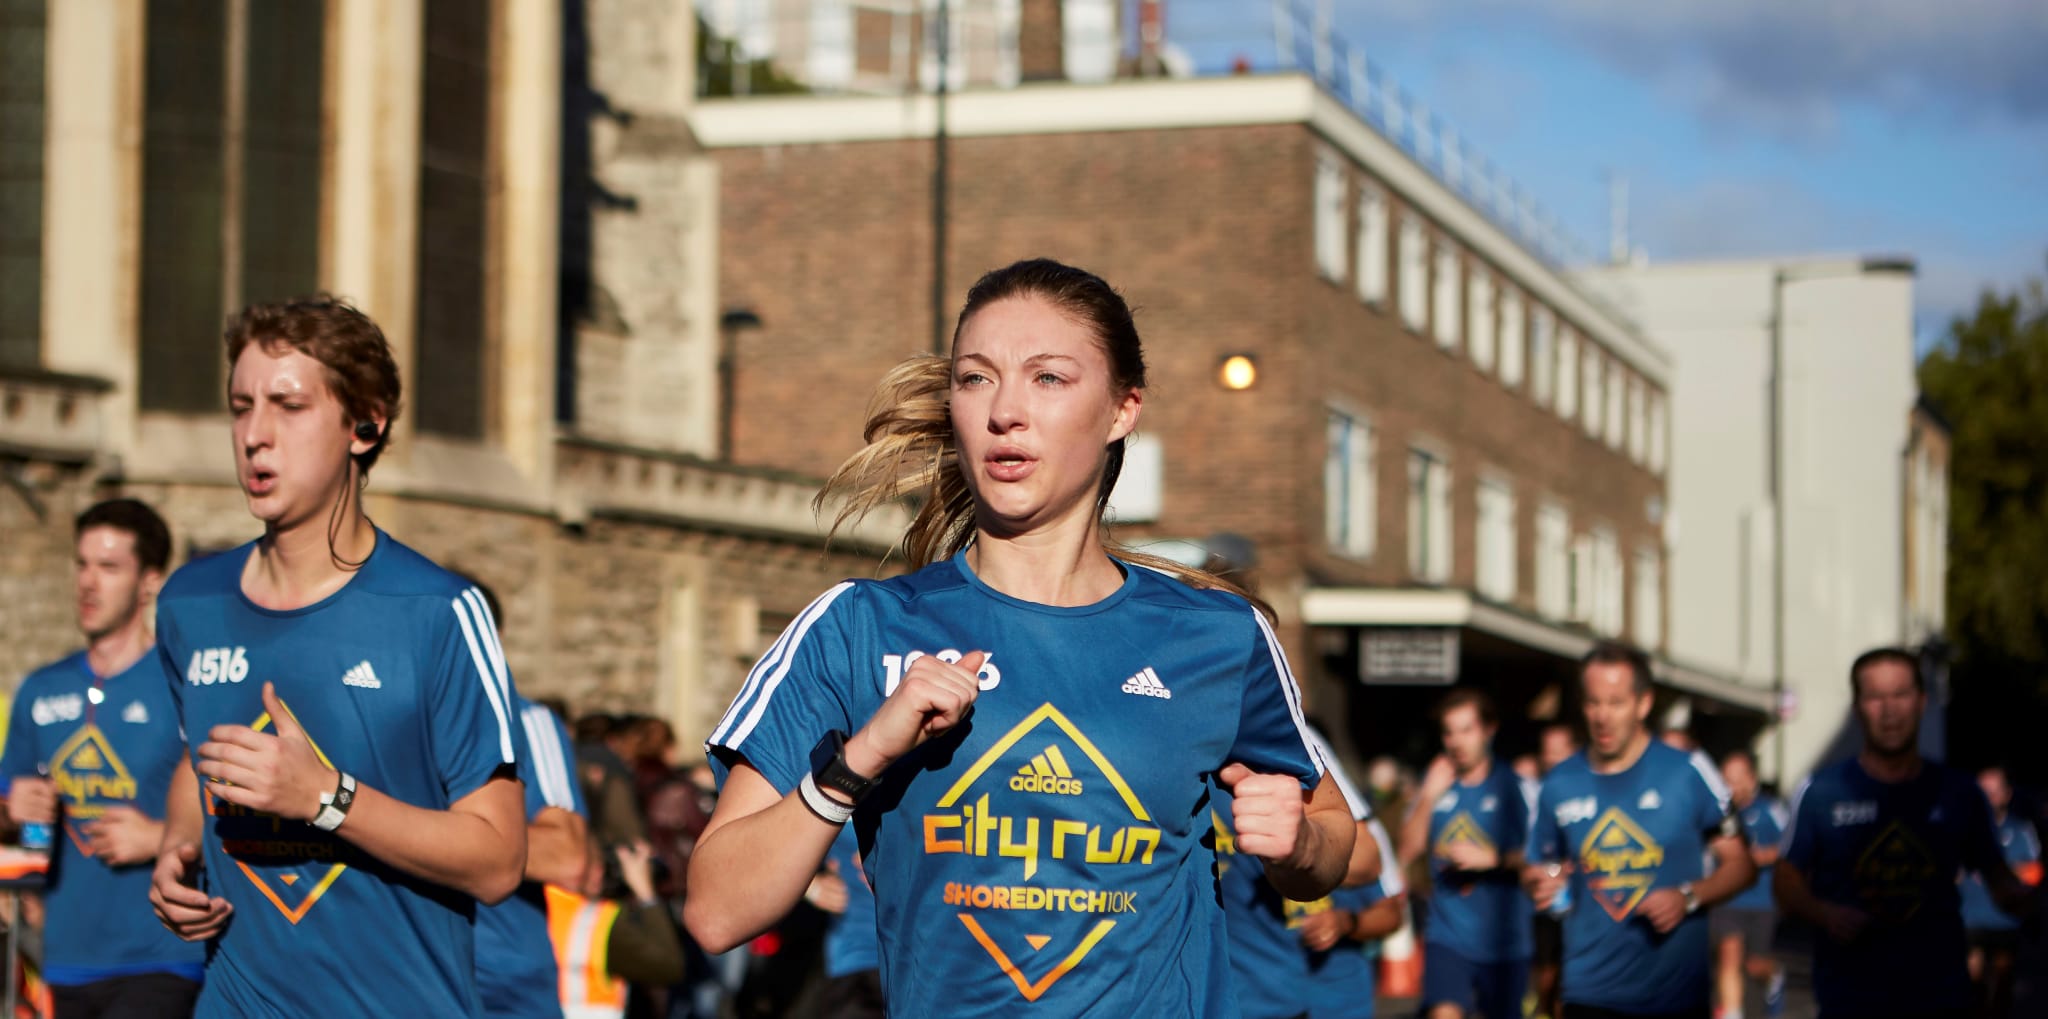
360, 368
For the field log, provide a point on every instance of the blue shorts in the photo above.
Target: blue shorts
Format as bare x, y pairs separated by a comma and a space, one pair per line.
1490, 989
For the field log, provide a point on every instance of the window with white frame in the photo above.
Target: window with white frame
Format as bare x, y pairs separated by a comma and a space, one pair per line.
1616, 418
1479, 320
1429, 517
1350, 508
1372, 247
1647, 628
1638, 421
1658, 432
1445, 317
1553, 561
1567, 363
1592, 400
1414, 274
1511, 333
1495, 532
1330, 218
1607, 583
1579, 594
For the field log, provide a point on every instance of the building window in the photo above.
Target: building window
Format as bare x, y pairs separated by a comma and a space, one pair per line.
1495, 531
1429, 517
22, 28
1350, 510
1511, 333
1648, 626
454, 213
1372, 247
1553, 562
1658, 433
1591, 398
1445, 315
1567, 364
1479, 321
1616, 415
192, 205
1607, 583
1330, 218
1638, 421
1414, 277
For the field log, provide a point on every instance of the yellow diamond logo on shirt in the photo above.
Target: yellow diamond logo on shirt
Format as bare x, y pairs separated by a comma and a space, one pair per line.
1462, 830
1620, 860
969, 822
1893, 871
282, 835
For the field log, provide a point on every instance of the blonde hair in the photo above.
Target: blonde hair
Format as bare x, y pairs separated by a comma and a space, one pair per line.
911, 451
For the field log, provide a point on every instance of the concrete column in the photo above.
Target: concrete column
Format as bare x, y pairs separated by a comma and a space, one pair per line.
528, 138
369, 214
92, 201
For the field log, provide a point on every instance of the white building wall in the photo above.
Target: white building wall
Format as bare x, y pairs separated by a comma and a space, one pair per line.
1848, 346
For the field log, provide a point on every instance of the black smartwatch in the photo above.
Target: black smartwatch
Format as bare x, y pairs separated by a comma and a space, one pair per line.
829, 770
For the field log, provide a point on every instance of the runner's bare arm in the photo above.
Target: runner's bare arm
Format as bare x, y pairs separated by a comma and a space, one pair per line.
1365, 863
557, 847
1305, 839
476, 846
753, 862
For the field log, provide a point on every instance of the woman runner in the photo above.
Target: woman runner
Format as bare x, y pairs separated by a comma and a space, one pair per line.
1033, 716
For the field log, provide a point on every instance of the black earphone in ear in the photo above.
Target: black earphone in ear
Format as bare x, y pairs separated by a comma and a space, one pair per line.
366, 431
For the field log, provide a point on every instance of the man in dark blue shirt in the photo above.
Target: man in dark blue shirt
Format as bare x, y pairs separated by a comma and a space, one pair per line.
1471, 818
1871, 861
1629, 824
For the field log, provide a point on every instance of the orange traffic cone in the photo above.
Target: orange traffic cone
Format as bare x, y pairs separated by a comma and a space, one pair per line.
1401, 961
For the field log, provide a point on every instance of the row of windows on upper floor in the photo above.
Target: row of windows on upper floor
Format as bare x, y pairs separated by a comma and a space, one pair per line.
1415, 272
1579, 578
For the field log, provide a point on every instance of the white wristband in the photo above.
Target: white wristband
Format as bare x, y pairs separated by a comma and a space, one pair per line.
828, 809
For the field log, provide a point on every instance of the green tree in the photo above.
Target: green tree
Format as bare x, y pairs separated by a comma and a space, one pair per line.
1989, 377
717, 75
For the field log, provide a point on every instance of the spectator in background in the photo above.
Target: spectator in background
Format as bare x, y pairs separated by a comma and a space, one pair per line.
609, 791
1993, 935
604, 945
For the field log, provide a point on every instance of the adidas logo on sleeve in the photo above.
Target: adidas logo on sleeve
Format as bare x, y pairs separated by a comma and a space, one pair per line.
1147, 684
362, 676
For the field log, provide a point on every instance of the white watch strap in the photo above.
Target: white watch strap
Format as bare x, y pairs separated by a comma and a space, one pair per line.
827, 808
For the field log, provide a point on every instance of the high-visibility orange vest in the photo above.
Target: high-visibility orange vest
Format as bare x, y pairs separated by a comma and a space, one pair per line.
580, 929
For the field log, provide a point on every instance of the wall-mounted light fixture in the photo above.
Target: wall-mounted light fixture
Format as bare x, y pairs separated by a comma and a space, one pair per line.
1237, 372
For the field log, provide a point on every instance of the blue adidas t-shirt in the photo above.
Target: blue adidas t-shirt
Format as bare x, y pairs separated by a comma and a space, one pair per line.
1049, 853
1893, 850
516, 973
1342, 981
2019, 844
1484, 917
851, 945
398, 678
104, 743
1626, 835
1764, 822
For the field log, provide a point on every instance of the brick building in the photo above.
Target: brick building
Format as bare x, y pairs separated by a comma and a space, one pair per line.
429, 162
1451, 461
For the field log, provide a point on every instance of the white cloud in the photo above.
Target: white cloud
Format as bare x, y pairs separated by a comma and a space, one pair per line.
1788, 64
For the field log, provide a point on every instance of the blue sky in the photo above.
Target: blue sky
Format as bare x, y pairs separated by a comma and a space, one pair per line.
1743, 127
